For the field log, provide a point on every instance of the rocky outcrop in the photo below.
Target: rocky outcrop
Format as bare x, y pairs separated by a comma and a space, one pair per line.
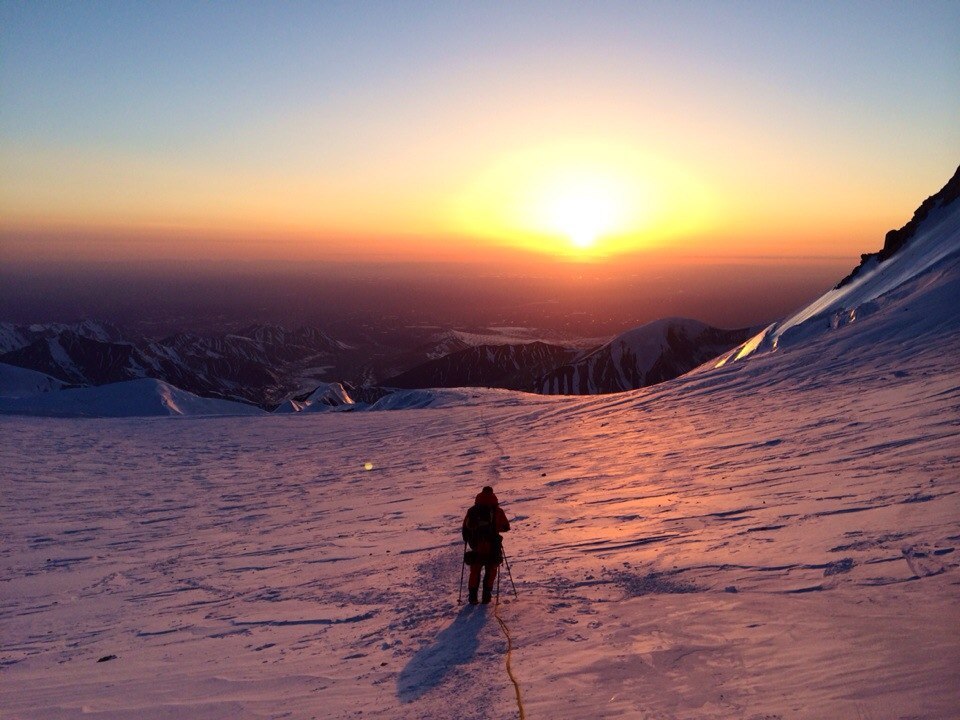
896, 239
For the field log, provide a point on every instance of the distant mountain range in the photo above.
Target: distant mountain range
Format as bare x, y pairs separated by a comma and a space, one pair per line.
512, 367
262, 364
294, 370
647, 355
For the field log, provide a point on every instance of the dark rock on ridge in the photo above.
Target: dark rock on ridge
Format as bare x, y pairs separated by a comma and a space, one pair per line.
896, 239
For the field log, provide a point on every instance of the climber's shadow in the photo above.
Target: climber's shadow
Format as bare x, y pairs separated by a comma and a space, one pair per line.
455, 645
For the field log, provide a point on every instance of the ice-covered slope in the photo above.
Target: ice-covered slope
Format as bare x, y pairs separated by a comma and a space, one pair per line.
649, 354
931, 239
134, 398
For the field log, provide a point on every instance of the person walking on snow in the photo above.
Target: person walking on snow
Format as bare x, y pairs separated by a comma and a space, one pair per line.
482, 526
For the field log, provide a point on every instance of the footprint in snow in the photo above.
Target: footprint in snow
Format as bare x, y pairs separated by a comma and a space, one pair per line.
922, 560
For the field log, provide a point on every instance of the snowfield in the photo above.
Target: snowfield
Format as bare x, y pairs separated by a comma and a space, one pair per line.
776, 537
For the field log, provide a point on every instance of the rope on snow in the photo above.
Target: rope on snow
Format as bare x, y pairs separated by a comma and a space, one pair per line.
513, 679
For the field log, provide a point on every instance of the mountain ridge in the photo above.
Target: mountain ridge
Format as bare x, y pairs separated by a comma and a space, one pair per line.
933, 237
896, 239
652, 353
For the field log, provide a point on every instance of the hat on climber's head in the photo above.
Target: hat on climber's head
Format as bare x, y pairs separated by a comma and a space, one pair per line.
486, 497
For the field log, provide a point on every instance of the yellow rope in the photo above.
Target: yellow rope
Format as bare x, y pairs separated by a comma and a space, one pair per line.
513, 679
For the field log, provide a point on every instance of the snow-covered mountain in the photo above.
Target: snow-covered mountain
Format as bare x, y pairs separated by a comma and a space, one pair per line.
513, 366
650, 354
67, 355
134, 398
442, 342
775, 537
325, 396
646, 355
18, 382
920, 254
261, 363
279, 340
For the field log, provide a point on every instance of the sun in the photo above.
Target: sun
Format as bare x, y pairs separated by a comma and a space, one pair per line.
582, 216
581, 209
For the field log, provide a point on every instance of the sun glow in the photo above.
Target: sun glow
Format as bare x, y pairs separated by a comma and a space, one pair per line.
582, 201
581, 209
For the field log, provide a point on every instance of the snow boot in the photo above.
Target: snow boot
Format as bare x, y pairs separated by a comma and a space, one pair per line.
487, 594
473, 596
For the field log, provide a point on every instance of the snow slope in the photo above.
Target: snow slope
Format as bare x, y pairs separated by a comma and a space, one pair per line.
19, 382
134, 398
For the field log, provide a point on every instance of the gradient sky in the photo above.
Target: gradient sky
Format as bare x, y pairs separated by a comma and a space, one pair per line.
449, 130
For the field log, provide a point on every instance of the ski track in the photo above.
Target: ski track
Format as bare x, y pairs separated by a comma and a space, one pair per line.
679, 552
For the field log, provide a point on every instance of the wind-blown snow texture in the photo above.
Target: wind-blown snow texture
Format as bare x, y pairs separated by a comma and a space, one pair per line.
773, 538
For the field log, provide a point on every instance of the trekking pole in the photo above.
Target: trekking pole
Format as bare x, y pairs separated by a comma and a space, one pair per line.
509, 574
462, 566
